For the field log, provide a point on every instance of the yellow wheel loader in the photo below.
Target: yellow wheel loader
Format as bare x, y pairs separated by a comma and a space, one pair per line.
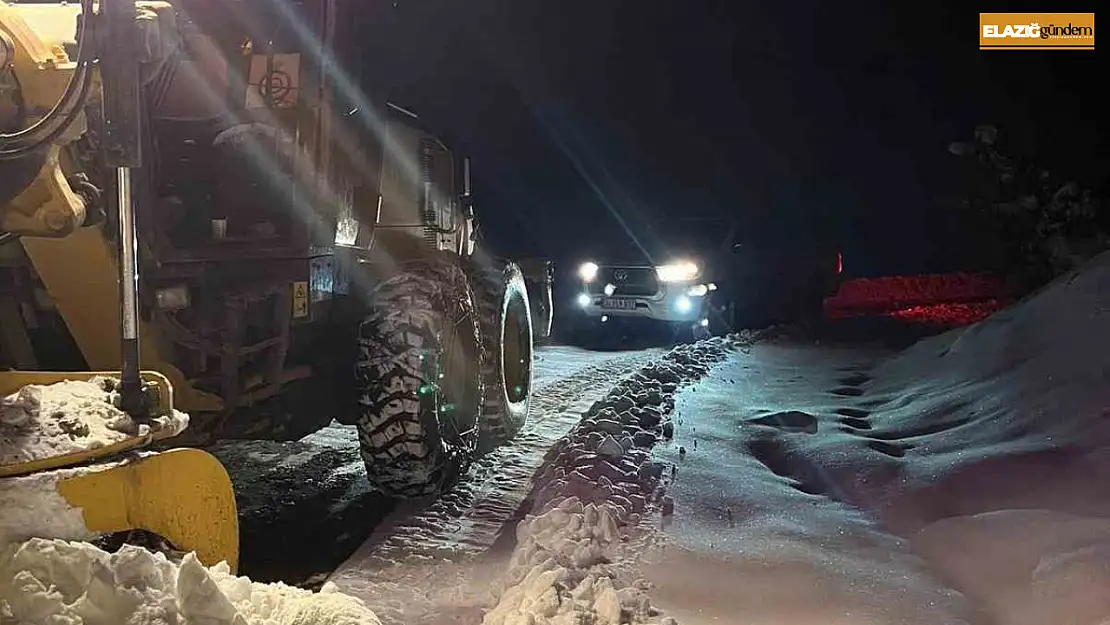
197, 187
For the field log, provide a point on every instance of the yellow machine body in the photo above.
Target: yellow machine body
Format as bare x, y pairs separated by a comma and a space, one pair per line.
76, 263
182, 495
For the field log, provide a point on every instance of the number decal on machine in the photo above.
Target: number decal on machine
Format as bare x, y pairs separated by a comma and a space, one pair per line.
300, 300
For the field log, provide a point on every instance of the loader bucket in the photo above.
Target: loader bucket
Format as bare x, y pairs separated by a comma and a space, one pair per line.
12, 381
183, 495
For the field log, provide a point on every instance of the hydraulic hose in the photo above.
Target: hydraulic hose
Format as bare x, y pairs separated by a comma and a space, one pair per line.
52, 136
69, 105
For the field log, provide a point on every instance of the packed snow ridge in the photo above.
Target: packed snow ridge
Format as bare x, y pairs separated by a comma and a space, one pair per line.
590, 498
73, 583
44, 421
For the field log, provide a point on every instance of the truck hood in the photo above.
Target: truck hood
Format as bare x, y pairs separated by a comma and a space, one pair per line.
643, 258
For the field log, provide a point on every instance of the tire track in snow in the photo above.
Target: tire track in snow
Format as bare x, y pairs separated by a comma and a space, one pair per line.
468, 520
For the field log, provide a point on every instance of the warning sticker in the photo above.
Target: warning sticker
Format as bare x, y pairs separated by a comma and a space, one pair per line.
300, 300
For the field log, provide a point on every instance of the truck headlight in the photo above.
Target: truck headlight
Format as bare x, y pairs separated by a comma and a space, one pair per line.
677, 272
587, 271
698, 290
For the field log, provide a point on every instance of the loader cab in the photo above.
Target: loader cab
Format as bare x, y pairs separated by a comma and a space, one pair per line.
414, 185
238, 136
258, 141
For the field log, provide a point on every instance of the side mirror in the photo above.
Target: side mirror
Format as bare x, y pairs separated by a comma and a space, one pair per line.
467, 190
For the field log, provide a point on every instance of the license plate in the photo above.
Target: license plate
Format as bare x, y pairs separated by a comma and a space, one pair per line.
618, 304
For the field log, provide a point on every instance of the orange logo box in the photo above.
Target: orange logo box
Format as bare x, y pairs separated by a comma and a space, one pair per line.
1036, 31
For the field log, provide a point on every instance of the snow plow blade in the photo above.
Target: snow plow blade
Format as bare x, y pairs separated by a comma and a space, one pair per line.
183, 495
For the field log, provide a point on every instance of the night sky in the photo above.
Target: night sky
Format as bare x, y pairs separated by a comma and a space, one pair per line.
587, 118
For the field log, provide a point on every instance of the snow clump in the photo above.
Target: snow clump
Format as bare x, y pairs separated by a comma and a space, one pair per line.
45, 421
590, 497
55, 581
31, 506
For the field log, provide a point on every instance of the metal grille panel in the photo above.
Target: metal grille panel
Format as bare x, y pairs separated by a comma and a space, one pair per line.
634, 281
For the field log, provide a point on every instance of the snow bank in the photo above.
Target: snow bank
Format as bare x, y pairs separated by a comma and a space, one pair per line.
45, 579
54, 581
997, 440
1000, 410
43, 421
984, 449
590, 498
1026, 567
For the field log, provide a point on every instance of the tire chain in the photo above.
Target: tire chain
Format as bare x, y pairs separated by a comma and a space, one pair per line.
408, 449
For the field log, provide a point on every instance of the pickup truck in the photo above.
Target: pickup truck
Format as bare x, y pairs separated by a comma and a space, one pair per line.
697, 277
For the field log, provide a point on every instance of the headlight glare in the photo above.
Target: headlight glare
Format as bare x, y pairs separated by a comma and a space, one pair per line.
587, 271
677, 272
698, 290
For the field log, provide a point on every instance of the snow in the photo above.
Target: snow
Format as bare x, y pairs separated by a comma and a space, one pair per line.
763, 521
560, 570
45, 579
55, 581
44, 421
429, 561
31, 506
958, 481
589, 502
1026, 567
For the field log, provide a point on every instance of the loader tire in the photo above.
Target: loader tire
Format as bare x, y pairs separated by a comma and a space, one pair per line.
419, 377
505, 320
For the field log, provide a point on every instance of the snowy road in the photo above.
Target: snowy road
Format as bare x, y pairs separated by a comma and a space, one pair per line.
762, 524
305, 506
958, 481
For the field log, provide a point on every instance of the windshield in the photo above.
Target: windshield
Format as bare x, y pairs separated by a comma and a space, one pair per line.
694, 234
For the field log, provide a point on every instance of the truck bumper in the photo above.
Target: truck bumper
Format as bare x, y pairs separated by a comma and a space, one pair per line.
672, 304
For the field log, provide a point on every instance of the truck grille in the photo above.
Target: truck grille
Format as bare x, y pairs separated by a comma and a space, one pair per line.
637, 281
